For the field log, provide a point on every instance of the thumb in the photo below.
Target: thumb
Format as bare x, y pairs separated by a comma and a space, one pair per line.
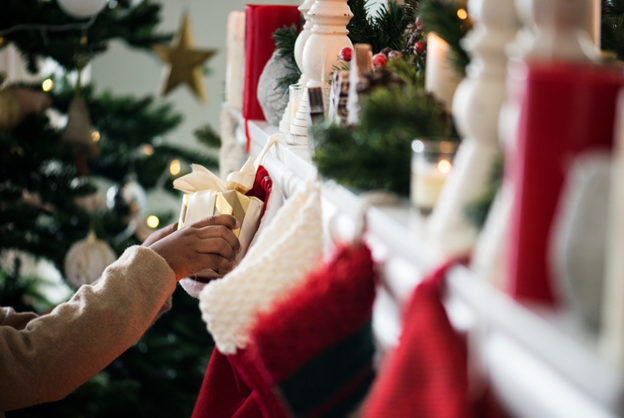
160, 234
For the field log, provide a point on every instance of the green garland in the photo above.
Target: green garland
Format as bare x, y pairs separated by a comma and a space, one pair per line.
134, 24
376, 153
391, 27
285, 39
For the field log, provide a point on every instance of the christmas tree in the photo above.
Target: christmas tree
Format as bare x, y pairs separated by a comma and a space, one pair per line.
49, 198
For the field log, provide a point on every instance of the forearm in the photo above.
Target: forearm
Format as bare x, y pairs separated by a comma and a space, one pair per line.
56, 353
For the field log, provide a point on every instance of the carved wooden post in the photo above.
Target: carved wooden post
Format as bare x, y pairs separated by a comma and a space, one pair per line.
299, 45
303, 37
476, 107
320, 55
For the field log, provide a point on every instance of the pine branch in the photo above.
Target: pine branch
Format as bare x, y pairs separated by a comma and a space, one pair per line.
136, 25
376, 153
392, 27
207, 136
285, 39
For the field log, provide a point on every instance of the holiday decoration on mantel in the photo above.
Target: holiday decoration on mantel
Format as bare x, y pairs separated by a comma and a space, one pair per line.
320, 57
274, 264
235, 66
476, 108
429, 374
184, 62
316, 342
279, 73
261, 23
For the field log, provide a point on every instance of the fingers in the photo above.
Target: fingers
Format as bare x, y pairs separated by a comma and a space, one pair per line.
216, 262
217, 246
225, 220
222, 232
160, 234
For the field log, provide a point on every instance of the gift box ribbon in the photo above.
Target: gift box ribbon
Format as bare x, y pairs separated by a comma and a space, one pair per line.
230, 197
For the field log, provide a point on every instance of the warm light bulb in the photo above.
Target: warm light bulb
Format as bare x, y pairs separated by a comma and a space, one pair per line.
462, 14
95, 136
153, 221
174, 167
444, 167
148, 149
47, 85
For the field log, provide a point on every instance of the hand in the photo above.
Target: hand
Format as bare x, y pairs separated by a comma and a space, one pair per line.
160, 234
209, 243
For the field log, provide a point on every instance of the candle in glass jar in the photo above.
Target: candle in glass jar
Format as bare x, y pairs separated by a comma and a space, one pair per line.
431, 165
427, 182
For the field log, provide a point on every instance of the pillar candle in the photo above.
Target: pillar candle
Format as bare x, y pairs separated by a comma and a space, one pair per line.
565, 109
440, 78
612, 332
235, 70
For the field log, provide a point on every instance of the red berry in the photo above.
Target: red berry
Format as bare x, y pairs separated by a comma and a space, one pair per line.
419, 24
379, 60
346, 54
419, 47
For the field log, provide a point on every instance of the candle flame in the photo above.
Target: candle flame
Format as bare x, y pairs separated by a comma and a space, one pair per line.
444, 167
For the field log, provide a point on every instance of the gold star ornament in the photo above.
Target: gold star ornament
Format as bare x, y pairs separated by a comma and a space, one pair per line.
184, 63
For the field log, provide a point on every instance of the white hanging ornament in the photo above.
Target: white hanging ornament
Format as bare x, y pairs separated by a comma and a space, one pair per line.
87, 259
82, 8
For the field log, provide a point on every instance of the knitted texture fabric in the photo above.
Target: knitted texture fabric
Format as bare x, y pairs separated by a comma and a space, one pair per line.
427, 374
311, 354
224, 393
286, 249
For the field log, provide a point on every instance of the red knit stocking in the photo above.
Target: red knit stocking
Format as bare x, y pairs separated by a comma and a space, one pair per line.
427, 375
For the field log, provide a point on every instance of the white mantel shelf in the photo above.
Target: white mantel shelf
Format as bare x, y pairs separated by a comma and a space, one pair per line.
540, 364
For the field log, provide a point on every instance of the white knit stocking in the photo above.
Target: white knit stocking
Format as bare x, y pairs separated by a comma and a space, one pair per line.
284, 251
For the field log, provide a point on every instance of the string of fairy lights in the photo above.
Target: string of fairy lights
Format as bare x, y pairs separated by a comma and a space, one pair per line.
47, 85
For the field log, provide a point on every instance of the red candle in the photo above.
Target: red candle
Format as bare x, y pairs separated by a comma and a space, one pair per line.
261, 21
565, 109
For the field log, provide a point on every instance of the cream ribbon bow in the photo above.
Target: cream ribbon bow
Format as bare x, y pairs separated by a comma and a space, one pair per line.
203, 179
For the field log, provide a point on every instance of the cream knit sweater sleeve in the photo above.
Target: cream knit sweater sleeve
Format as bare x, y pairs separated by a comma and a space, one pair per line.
45, 358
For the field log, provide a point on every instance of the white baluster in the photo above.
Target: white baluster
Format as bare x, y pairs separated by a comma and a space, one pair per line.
559, 29
235, 72
303, 37
476, 107
320, 55
299, 45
